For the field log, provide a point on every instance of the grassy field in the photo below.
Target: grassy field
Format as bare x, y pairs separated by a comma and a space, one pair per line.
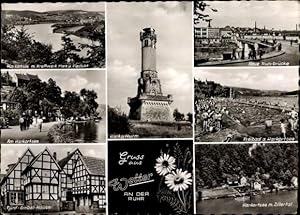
161, 129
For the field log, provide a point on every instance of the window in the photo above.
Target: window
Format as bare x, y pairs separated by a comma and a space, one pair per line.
13, 198
45, 189
20, 198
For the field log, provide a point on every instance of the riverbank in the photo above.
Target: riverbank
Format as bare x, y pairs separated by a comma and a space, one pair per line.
269, 203
232, 192
78, 29
84, 131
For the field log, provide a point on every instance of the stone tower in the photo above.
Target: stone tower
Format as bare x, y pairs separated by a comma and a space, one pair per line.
150, 104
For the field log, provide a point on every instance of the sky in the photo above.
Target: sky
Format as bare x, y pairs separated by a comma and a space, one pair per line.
10, 154
172, 22
280, 15
282, 78
73, 80
42, 7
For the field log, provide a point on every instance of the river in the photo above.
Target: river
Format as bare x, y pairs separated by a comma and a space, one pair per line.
90, 132
44, 34
231, 206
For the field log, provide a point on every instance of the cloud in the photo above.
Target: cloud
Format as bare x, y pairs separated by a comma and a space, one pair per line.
256, 78
271, 14
79, 82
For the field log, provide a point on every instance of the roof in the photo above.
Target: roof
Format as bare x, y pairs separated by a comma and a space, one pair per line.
10, 167
13, 166
37, 157
95, 166
27, 77
65, 160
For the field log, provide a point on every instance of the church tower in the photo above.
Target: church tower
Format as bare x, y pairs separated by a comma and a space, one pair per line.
150, 104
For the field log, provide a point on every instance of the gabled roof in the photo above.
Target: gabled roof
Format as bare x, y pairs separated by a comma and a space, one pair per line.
65, 160
14, 166
95, 166
37, 157
27, 77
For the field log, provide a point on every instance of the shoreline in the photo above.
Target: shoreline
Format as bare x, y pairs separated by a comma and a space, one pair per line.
244, 194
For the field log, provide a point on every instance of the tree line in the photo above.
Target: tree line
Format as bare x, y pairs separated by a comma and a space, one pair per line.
270, 163
47, 98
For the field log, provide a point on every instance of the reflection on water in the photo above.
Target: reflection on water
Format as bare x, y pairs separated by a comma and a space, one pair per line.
89, 132
279, 203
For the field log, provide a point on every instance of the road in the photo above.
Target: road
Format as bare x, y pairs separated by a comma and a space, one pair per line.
13, 134
291, 55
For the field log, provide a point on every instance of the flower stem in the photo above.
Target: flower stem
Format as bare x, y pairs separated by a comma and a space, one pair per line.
184, 206
178, 193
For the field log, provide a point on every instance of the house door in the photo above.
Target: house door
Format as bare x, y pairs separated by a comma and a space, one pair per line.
69, 195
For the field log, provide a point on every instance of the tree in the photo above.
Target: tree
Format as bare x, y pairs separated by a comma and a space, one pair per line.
89, 98
20, 97
68, 53
199, 12
70, 104
53, 92
96, 50
18, 45
117, 122
190, 117
177, 115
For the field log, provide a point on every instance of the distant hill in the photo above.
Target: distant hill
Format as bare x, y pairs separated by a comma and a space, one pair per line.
238, 91
211, 88
33, 17
292, 93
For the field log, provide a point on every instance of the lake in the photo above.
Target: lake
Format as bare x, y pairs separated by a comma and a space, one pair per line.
230, 206
90, 132
44, 34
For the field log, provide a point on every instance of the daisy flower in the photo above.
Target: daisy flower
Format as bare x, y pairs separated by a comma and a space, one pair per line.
165, 164
178, 180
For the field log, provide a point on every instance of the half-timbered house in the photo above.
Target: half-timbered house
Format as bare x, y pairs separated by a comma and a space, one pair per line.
76, 182
42, 181
85, 181
12, 184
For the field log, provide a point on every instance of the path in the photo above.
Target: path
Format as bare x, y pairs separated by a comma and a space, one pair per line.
244, 61
290, 57
33, 133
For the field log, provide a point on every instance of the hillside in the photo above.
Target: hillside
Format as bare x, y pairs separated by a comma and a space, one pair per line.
211, 88
34, 17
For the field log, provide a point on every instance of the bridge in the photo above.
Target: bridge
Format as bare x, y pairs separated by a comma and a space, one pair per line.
252, 42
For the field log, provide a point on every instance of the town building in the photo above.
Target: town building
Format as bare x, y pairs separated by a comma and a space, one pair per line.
206, 35
41, 182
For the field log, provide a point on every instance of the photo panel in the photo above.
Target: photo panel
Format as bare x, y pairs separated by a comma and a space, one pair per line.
150, 70
53, 106
53, 179
246, 104
53, 35
150, 177
258, 178
246, 33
